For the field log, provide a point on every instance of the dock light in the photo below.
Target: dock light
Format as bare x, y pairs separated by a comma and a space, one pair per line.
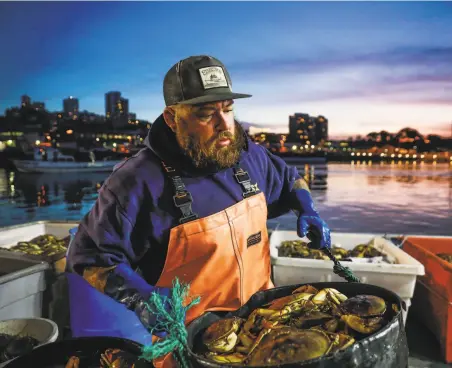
353, 154
38, 143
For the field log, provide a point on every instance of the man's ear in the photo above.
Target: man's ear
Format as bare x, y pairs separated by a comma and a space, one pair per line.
169, 114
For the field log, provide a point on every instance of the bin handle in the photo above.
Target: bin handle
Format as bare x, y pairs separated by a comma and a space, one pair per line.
340, 270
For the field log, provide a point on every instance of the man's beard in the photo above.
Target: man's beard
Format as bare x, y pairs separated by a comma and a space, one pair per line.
208, 154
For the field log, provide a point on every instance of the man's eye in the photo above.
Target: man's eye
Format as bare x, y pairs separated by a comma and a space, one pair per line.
205, 117
228, 110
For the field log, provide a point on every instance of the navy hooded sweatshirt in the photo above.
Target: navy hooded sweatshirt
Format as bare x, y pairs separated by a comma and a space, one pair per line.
131, 220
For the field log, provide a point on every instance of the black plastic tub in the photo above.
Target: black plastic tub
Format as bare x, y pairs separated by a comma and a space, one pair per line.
385, 349
57, 354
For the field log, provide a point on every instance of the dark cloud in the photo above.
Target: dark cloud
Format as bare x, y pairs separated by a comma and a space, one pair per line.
400, 56
393, 76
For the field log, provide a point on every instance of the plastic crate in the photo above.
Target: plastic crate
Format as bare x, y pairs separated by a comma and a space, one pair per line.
22, 283
399, 278
11, 235
433, 296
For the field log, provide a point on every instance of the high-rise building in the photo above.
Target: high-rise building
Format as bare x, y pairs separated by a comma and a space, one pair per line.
38, 106
112, 99
70, 106
307, 129
123, 106
299, 130
25, 101
321, 129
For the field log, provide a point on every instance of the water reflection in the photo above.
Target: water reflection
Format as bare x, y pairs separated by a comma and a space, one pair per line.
316, 176
361, 197
384, 198
33, 197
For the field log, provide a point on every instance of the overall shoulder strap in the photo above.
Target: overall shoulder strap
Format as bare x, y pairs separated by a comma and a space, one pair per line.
182, 198
244, 180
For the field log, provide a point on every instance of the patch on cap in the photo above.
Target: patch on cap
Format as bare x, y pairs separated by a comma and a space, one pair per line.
213, 77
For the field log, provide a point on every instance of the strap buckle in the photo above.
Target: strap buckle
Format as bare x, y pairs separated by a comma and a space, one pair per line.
189, 218
168, 169
242, 177
249, 193
182, 198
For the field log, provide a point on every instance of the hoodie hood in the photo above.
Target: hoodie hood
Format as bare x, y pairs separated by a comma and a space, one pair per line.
162, 141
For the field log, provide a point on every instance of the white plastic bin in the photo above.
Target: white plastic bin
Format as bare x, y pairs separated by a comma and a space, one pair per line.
11, 235
22, 283
399, 278
43, 330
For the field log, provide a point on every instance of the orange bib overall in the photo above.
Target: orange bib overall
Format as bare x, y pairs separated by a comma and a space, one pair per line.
225, 257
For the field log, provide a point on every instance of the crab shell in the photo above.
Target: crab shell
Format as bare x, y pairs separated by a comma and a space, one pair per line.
310, 319
364, 306
226, 358
364, 326
284, 345
340, 341
221, 336
115, 358
73, 362
329, 295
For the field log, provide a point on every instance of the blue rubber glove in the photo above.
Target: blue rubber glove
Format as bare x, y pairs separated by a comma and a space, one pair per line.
309, 222
130, 289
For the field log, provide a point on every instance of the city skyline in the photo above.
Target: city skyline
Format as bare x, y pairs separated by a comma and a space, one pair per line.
364, 66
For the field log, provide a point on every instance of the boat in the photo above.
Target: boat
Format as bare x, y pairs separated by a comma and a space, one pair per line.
304, 159
31, 166
51, 160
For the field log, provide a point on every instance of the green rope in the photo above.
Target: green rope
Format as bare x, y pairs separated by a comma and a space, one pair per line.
171, 320
342, 271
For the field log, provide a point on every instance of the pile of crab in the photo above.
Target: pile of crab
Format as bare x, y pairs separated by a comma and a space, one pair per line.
305, 325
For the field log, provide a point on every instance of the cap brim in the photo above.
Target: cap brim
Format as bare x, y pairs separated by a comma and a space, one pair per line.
214, 98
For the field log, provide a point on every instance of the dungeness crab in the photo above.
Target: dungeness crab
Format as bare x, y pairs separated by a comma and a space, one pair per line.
305, 325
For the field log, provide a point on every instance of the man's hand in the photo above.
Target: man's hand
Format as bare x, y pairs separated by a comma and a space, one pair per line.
308, 218
124, 285
317, 227
147, 317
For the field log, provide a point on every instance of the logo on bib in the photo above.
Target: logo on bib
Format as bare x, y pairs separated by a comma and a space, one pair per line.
254, 239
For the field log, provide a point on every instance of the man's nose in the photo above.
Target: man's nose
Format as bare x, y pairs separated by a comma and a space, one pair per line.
222, 122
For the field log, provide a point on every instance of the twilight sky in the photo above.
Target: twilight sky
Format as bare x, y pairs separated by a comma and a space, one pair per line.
364, 65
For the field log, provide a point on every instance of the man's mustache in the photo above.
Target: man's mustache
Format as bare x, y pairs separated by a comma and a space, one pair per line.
225, 135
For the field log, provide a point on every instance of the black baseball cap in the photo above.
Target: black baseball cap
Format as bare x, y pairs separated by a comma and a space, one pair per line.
197, 80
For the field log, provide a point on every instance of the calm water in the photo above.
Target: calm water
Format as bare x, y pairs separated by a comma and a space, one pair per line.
379, 198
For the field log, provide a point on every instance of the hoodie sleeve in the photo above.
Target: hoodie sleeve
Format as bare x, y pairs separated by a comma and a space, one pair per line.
280, 179
104, 237
106, 247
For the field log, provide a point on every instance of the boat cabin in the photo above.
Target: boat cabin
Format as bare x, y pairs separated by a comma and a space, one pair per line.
50, 154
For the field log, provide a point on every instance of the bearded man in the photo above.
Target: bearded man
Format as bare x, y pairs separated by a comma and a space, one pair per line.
193, 204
